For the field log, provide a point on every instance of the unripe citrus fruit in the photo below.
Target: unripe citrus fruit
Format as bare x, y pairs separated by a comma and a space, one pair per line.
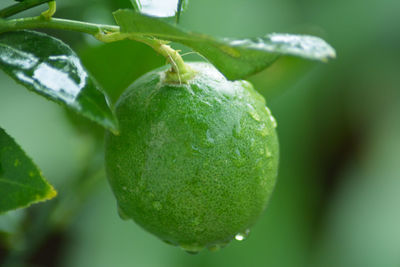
195, 163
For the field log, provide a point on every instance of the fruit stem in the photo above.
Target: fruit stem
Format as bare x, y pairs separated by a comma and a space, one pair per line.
51, 11
179, 72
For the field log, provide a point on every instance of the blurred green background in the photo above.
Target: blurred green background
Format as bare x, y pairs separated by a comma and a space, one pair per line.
337, 201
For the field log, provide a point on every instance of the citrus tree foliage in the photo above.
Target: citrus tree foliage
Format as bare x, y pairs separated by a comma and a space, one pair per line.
21, 182
47, 66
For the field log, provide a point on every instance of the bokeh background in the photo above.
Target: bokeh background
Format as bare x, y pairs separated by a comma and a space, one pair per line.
337, 201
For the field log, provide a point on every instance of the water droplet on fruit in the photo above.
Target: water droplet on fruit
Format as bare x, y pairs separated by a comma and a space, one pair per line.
253, 113
205, 102
268, 153
17, 163
195, 149
192, 249
189, 89
246, 84
196, 221
169, 242
122, 214
238, 159
210, 140
242, 236
224, 244
237, 130
263, 130
252, 143
271, 118
274, 124
214, 248
192, 252
239, 237
157, 205
237, 152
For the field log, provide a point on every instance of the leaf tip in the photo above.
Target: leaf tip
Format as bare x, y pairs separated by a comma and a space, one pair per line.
113, 126
331, 54
51, 193
115, 132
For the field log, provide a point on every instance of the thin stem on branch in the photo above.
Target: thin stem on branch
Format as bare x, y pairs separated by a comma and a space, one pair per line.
53, 23
19, 7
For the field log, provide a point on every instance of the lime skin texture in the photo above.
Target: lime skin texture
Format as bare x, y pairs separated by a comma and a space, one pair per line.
194, 163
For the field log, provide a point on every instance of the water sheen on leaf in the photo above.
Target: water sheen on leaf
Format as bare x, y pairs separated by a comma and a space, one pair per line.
236, 59
21, 182
160, 8
50, 68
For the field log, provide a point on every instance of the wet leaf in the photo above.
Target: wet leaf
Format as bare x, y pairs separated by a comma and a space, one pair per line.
50, 68
235, 58
160, 8
21, 182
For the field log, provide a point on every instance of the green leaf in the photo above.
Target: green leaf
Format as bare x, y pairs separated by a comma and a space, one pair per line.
21, 182
235, 58
50, 68
160, 8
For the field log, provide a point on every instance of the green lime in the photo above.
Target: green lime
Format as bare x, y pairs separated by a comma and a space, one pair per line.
195, 163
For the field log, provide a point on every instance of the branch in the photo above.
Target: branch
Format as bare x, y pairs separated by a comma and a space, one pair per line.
53, 23
22, 6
